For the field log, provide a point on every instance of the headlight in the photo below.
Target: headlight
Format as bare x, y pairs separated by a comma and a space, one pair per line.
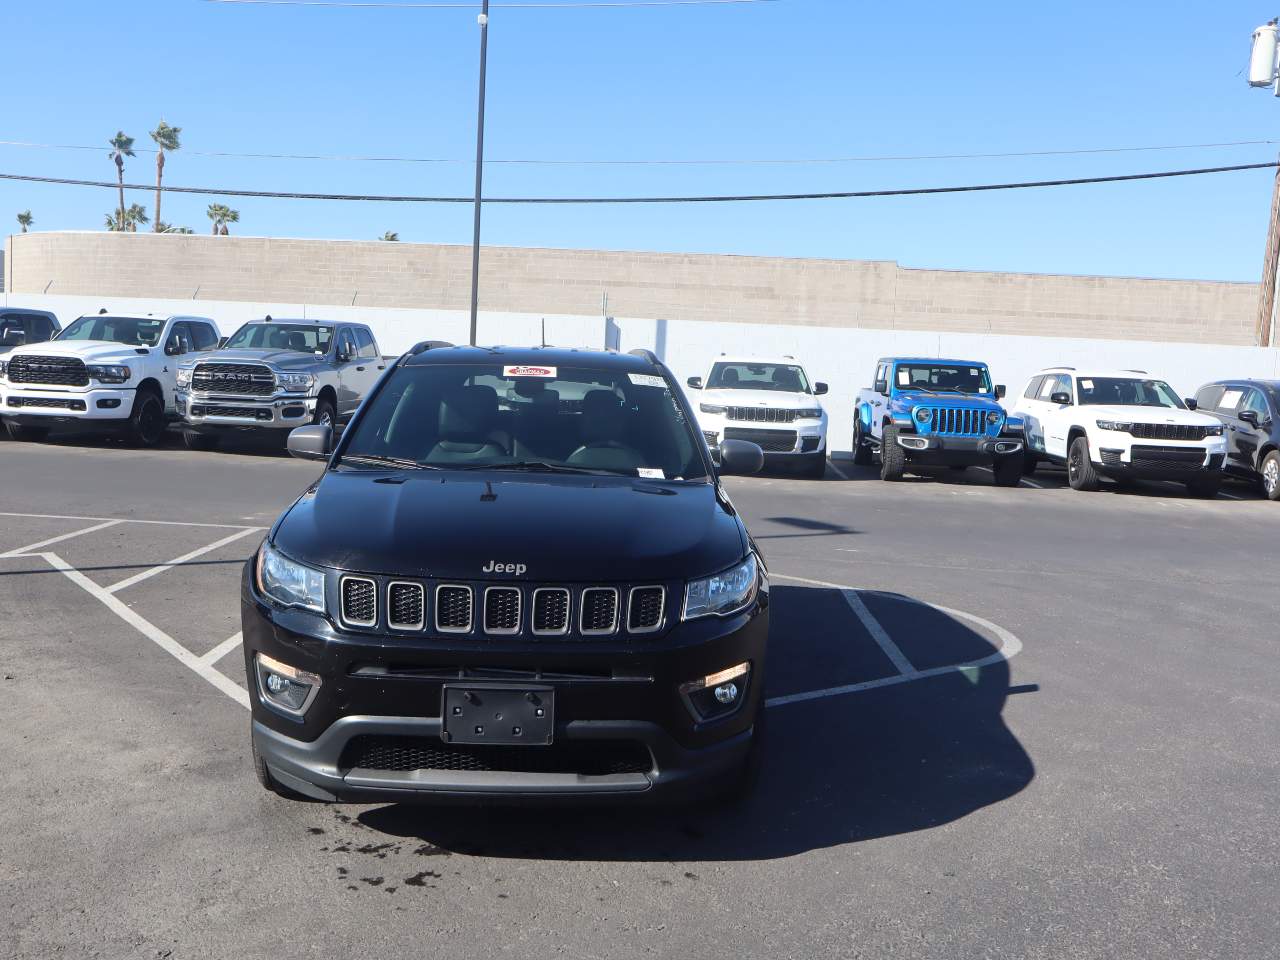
288, 582
295, 381
723, 594
108, 373
711, 408
993, 417
812, 413
184, 377
923, 414
1208, 431
1120, 425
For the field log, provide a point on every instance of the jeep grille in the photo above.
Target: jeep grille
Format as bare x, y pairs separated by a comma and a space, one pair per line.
550, 611
761, 414
1167, 431
359, 601
453, 609
502, 610
406, 605
958, 421
599, 611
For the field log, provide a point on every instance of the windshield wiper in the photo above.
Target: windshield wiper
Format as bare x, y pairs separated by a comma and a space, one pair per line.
540, 466
376, 460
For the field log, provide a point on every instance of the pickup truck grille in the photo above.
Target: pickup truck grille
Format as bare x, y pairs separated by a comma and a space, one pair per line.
957, 422
498, 610
761, 414
770, 441
1167, 431
63, 371
244, 379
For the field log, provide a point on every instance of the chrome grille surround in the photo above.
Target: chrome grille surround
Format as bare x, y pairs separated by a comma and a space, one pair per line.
646, 592
243, 379
498, 607
448, 596
588, 611
403, 596
358, 601
547, 595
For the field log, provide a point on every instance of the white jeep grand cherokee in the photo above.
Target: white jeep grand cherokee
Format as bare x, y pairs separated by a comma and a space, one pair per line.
1120, 424
102, 371
770, 402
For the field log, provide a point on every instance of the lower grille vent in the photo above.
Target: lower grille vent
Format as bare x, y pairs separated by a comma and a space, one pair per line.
588, 758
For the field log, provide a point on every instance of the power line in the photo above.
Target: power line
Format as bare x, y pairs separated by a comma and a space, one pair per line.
569, 5
726, 161
736, 198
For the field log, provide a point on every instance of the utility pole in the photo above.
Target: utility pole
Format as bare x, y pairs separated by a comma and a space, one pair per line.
1264, 71
483, 20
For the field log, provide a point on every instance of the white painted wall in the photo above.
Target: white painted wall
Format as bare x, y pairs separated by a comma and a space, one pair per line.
842, 358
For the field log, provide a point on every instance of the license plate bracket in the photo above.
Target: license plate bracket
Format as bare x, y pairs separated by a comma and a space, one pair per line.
477, 713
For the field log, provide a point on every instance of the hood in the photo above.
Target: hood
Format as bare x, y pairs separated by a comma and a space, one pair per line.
913, 398
562, 528
776, 399
1136, 414
281, 359
90, 351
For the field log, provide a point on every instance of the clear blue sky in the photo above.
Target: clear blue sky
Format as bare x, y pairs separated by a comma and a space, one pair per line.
797, 78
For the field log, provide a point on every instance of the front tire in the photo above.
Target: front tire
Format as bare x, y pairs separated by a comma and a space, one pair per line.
1008, 471
146, 421
1271, 475
25, 432
893, 459
326, 414
861, 449
1080, 472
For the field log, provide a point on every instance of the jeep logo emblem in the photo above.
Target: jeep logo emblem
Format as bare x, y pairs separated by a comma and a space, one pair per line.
493, 566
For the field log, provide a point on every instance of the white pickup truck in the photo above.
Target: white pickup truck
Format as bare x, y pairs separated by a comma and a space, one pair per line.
103, 371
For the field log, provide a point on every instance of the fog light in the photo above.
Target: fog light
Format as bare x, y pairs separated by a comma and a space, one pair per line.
285, 688
726, 693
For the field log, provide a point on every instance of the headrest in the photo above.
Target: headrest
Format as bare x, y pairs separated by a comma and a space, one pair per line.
786, 379
602, 416
731, 377
468, 413
280, 338
297, 341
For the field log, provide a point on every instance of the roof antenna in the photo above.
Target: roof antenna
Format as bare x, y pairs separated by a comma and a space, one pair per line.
544, 331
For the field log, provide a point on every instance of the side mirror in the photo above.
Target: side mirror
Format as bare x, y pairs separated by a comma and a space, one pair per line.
819, 388
310, 443
741, 457
695, 382
1001, 390
1190, 403
1249, 416
172, 348
881, 387
1060, 397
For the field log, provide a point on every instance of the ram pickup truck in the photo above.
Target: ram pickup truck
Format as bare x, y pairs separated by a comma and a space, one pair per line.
274, 375
103, 371
19, 327
930, 413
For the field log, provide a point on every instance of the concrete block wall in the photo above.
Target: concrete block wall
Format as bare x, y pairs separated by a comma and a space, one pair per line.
689, 287
843, 358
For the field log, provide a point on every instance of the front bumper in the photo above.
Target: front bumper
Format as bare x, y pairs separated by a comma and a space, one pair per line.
778, 441
48, 406
209, 413
623, 692
945, 450
1167, 461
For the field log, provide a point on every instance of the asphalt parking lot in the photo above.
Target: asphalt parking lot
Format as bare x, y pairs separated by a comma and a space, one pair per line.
1003, 722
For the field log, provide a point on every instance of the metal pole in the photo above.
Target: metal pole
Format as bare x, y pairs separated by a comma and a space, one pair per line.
475, 240
1267, 289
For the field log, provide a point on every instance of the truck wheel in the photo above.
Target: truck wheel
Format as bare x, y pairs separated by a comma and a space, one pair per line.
20, 431
1029, 463
1206, 487
861, 449
201, 441
1271, 475
146, 422
326, 415
1080, 472
1008, 470
893, 459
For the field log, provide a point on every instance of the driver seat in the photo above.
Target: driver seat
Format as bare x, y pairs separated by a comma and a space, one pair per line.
604, 423
468, 418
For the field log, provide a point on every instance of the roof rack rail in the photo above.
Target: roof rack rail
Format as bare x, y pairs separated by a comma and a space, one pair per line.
644, 354
1059, 366
425, 345
1131, 370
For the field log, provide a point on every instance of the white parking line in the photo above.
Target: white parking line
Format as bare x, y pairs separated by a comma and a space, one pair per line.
150, 631
18, 551
178, 561
162, 523
878, 634
839, 472
222, 649
1010, 646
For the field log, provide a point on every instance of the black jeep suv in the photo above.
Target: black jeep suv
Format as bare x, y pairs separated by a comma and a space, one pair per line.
1248, 410
517, 577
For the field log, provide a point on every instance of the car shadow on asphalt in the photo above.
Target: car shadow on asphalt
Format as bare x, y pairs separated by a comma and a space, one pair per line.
877, 762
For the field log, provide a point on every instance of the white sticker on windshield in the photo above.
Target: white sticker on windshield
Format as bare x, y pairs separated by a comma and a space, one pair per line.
1230, 400
1086, 384
651, 473
529, 371
646, 380
904, 377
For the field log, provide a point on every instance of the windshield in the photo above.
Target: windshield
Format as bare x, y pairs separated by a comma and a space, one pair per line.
466, 416
133, 331
304, 338
784, 377
1127, 392
943, 377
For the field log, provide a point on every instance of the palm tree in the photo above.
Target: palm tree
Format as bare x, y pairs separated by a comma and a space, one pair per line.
166, 138
25, 220
221, 215
135, 215
162, 227
391, 236
121, 147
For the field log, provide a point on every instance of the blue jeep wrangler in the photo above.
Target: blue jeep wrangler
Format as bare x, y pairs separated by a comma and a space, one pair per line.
936, 413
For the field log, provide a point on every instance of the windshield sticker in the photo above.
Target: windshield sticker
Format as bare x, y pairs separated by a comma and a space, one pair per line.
529, 371
1230, 400
974, 371
651, 473
1086, 384
904, 377
646, 380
